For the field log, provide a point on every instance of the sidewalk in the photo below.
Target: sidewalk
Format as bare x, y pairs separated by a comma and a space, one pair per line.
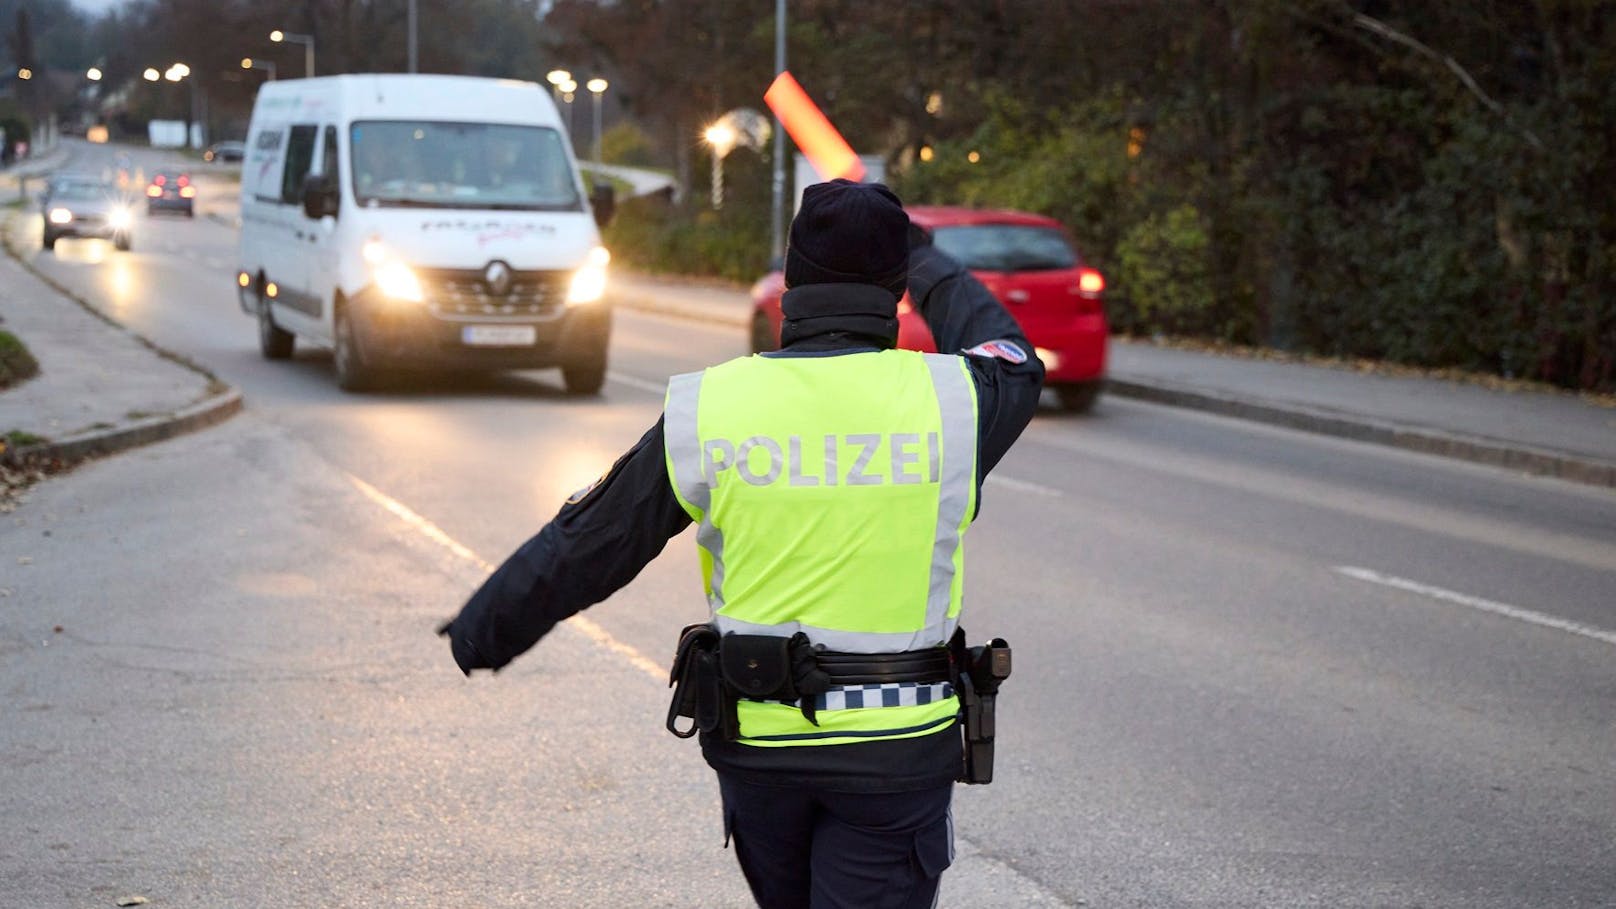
100, 388
1541, 432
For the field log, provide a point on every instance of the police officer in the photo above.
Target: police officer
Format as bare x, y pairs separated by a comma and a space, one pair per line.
832, 483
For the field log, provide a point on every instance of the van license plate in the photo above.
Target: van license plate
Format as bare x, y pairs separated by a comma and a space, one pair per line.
499, 335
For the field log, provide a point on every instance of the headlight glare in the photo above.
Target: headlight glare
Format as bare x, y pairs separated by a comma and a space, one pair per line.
396, 280
118, 218
589, 282
60, 216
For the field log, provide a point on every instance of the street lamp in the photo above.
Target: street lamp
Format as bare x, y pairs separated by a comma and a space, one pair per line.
151, 75
93, 74
597, 87
307, 41
267, 65
24, 73
722, 137
555, 77
176, 73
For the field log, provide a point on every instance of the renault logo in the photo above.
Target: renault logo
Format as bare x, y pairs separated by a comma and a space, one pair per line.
498, 278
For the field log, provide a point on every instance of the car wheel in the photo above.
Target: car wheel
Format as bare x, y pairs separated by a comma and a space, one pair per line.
763, 339
1078, 397
353, 374
585, 377
190, 213
121, 242
274, 342
50, 241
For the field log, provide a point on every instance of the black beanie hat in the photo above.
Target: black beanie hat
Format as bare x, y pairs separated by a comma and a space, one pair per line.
849, 233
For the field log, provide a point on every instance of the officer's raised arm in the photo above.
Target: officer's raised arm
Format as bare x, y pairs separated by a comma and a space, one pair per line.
965, 318
597, 542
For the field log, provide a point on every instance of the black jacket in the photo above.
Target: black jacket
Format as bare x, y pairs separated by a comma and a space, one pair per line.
601, 538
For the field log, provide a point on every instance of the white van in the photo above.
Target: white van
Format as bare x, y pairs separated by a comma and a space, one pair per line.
426, 221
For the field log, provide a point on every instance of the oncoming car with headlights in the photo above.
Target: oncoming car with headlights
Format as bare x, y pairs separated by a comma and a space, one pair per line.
422, 221
85, 207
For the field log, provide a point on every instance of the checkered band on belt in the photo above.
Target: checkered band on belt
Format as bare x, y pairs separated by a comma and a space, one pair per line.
891, 694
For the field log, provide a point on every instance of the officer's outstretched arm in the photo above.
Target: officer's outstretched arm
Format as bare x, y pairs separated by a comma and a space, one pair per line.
596, 544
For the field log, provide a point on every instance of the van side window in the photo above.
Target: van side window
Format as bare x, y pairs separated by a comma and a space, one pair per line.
299, 156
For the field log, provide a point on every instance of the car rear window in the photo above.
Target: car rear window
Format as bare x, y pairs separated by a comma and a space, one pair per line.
1006, 247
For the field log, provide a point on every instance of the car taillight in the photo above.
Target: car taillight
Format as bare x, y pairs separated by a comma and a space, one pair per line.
159, 180
154, 190
184, 180
1090, 283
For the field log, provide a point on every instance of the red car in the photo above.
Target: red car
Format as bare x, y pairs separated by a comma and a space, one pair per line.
1029, 262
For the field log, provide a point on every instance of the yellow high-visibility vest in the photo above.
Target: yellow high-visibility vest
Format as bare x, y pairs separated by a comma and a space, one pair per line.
831, 496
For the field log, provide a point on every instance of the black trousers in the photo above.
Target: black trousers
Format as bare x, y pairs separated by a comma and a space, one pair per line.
807, 848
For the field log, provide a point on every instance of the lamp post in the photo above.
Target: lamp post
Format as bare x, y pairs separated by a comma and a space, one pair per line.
597, 87
267, 65
414, 25
722, 137
176, 73
556, 77
307, 41
568, 88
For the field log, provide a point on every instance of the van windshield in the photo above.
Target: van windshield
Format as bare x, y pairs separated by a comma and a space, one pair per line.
1006, 247
431, 164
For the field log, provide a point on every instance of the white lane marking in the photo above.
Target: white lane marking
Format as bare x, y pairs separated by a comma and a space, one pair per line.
1485, 605
1037, 489
578, 623
659, 389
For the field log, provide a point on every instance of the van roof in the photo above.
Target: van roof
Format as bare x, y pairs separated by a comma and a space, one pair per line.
412, 96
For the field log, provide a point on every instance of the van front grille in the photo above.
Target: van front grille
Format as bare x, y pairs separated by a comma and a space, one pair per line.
464, 292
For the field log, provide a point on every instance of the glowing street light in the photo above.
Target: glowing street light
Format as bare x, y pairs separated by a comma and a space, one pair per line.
266, 65
307, 41
722, 137
93, 74
151, 75
555, 77
25, 73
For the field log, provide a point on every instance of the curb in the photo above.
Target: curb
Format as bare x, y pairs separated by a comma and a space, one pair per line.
213, 410
1475, 449
215, 407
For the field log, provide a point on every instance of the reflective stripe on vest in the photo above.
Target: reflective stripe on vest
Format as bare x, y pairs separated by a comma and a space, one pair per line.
831, 496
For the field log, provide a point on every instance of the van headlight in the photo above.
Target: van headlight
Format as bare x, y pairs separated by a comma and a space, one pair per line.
60, 216
118, 218
589, 281
393, 278
398, 281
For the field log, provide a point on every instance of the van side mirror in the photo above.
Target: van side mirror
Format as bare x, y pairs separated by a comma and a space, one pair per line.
603, 199
319, 196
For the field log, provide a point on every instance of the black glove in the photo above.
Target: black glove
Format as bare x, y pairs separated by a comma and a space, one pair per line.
465, 655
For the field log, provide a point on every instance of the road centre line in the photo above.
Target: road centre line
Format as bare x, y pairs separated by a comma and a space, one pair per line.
434, 533
1037, 489
1484, 605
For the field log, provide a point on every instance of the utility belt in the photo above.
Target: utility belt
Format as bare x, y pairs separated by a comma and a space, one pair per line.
712, 673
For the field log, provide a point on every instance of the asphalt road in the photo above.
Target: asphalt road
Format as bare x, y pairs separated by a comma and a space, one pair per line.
1253, 667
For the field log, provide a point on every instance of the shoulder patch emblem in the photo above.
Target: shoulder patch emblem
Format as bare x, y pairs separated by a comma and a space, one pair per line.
1002, 349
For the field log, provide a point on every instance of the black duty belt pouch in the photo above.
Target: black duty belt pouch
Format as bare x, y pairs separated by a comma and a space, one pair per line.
695, 682
757, 666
